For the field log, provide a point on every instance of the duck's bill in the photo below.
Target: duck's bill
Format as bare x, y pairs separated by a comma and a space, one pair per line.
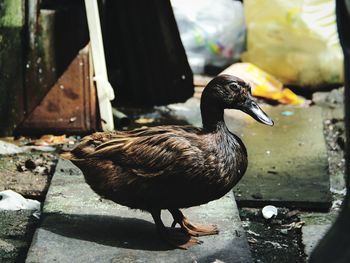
253, 109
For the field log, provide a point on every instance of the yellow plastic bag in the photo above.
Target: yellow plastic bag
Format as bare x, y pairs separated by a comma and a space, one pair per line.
263, 84
296, 41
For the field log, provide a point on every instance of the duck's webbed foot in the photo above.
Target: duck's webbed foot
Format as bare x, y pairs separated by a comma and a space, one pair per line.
178, 238
174, 236
190, 228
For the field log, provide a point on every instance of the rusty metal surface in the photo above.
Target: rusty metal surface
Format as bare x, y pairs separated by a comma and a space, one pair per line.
70, 105
50, 46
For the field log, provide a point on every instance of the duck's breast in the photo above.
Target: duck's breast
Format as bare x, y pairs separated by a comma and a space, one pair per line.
231, 163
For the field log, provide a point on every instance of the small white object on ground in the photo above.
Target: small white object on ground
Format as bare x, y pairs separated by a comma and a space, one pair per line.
7, 148
275, 244
338, 192
253, 233
41, 148
10, 200
269, 211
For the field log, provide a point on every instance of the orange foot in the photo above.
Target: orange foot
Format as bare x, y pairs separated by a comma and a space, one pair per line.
192, 229
199, 229
174, 236
177, 238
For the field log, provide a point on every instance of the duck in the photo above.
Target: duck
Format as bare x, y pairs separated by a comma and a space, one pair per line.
173, 167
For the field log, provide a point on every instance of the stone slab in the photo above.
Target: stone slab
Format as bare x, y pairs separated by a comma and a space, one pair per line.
311, 235
79, 226
315, 228
16, 231
287, 163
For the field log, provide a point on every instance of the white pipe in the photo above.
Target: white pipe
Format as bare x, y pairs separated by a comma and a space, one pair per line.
105, 92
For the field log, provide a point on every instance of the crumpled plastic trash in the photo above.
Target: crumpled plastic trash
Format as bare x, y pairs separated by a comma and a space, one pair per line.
263, 84
294, 225
50, 139
212, 32
296, 41
144, 120
10, 200
7, 148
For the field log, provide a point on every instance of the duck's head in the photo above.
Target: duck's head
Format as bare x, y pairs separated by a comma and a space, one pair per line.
230, 92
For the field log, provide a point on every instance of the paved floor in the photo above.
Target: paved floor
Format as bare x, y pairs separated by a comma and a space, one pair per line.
288, 164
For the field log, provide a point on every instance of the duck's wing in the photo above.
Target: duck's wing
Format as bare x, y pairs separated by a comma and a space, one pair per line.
148, 152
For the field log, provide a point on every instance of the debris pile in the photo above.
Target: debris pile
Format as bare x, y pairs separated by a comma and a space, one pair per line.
267, 236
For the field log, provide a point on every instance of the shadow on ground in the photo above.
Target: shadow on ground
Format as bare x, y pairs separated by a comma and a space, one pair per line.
106, 230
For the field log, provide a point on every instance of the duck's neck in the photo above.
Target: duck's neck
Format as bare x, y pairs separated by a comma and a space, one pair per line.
212, 116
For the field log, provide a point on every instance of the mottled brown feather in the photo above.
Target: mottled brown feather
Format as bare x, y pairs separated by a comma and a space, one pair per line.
165, 166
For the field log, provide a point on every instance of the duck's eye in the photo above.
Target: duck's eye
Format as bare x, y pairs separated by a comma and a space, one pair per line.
233, 87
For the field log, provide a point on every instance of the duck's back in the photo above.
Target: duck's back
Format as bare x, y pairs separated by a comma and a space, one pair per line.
162, 167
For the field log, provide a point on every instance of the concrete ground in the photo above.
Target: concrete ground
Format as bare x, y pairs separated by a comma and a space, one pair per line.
29, 174
16, 231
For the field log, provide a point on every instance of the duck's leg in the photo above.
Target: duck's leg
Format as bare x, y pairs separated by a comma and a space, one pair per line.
174, 236
192, 229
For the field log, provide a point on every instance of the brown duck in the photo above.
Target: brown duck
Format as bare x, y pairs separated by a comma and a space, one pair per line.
172, 167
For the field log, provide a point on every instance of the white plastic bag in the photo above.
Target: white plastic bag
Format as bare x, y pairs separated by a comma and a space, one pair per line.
296, 41
212, 31
10, 200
